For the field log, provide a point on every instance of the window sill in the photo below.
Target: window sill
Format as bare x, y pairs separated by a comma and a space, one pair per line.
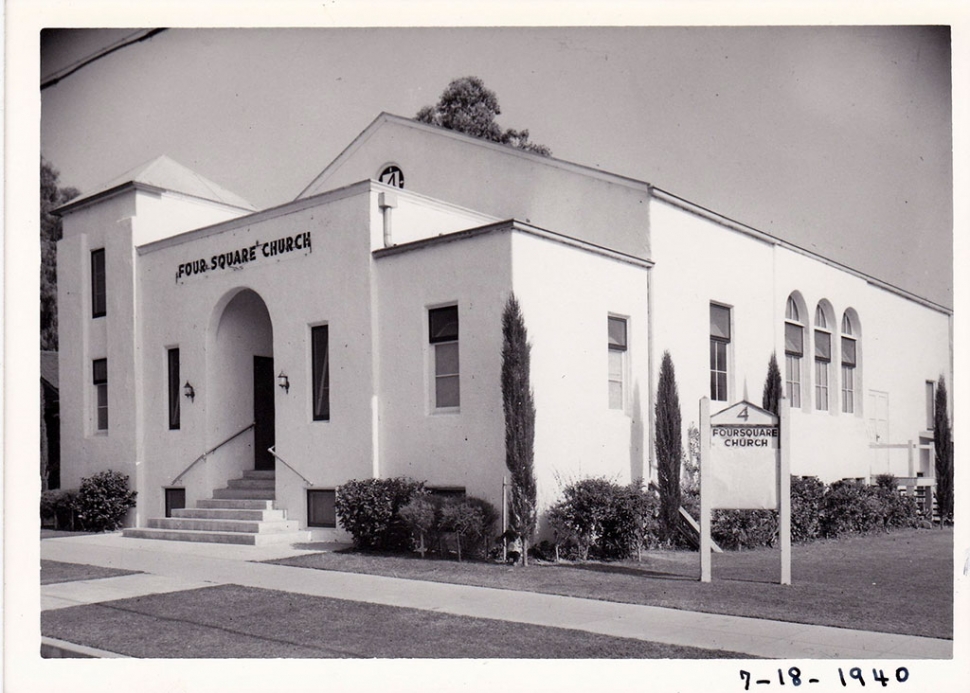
445, 411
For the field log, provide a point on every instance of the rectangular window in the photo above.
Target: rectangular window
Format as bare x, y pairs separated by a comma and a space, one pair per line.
848, 389
930, 405
320, 348
720, 339
821, 385
100, 372
616, 346
823, 355
848, 375
98, 292
321, 508
793, 379
174, 407
443, 336
174, 500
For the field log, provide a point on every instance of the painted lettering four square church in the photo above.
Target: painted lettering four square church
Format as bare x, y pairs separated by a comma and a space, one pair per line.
214, 352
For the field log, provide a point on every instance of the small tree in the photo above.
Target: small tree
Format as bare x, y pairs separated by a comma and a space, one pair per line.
468, 106
419, 516
943, 442
520, 416
668, 448
773, 392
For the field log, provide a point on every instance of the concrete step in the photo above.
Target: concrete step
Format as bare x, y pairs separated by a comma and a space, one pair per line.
209, 525
245, 493
259, 474
218, 537
252, 483
230, 514
235, 503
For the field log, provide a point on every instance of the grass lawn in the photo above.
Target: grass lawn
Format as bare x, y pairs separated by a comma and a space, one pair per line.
56, 571
229, 621
897, 582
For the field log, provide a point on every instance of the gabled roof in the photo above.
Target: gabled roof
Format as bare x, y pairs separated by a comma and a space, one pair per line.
390, 118
49, 368
160, 175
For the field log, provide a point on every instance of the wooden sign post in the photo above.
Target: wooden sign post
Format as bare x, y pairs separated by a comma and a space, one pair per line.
745, 465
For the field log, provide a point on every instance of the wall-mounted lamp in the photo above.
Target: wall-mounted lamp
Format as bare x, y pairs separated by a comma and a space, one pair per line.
283, 381
189, 390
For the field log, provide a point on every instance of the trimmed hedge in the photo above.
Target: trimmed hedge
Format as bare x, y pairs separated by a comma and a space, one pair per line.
820, 511
58, 508
103, 501
437, 523
601, 518
368, 510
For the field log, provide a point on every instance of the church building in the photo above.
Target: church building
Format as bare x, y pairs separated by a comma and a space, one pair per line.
239, 364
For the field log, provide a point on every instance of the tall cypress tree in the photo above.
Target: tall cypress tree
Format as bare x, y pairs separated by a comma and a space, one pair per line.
667, 443
772, 392
943, 442
520, 417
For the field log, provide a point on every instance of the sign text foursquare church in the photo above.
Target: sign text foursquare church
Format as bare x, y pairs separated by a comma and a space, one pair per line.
241, 256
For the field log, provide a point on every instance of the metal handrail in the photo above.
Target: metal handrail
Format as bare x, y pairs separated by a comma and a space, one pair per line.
272, 451
205, 454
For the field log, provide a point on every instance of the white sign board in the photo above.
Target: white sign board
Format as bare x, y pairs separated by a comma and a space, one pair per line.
744, 458
745, 465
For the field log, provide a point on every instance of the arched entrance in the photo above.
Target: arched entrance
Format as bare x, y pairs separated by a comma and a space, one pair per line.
241, 374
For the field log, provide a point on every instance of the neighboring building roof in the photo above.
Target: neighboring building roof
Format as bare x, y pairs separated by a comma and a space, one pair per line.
164, 174
49, 368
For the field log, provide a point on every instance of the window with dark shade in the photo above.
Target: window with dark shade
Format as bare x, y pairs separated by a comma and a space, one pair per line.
720, 340
443, 336
99, 370
98, 290
174, 401
321, 508
616, 347
320, 338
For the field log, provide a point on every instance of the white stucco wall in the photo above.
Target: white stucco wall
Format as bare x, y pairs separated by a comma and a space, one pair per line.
901, 343
453, 449
165, 214
501, 181
566, 297
82, 339
328, 285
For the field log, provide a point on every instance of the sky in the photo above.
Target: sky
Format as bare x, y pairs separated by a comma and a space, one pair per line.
837, 139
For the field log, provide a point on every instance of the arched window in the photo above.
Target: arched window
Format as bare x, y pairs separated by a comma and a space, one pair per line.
848, 364
823, 356
794, 350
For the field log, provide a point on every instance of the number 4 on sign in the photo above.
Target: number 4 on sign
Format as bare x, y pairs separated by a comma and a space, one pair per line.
743, 414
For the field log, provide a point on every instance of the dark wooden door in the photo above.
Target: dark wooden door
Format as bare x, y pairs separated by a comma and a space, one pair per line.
264, 411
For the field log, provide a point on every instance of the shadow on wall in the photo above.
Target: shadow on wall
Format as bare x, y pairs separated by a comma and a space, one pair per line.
637, 456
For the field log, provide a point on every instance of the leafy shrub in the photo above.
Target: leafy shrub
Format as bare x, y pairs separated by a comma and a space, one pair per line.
58, 508
368, 510
103, 501
807, 493
469, 519
602, 517
580, 515
744, 529
632, 522
419, 517
849, 507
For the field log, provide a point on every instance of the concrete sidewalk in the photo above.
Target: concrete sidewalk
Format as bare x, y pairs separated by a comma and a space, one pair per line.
171, 566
